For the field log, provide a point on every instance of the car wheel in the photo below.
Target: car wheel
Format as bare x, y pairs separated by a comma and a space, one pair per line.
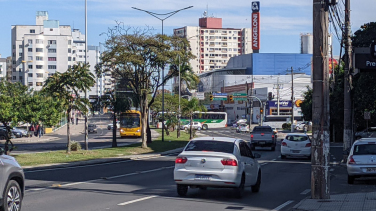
182, 189
239, 191
256, 187
199, 128
12, 199
205, 127
350, 179
283, 156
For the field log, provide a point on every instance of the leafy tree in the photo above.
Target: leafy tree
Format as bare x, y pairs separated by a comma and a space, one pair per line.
306, 106
66, 88
188, 110
138, 59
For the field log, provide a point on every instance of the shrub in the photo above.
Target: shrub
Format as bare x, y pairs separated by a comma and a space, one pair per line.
75, 146
286, 126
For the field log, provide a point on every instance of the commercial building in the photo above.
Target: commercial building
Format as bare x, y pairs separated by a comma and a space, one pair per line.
213, 45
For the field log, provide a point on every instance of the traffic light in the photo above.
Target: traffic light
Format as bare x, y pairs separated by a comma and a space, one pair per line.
261, 110
211, 97
270, 96
231, 98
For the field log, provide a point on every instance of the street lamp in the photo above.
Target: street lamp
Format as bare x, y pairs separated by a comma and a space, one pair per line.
86, 126
165, 16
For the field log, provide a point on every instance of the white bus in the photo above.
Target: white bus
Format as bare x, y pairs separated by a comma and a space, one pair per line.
208, 119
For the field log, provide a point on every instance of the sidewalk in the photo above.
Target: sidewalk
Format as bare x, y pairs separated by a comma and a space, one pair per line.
340, 202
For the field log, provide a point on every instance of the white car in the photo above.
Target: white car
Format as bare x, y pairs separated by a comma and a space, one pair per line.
296, 145
195, 125
217, 162
242, 127
362, 159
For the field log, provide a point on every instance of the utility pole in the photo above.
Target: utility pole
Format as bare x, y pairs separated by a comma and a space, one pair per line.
86, 126
278, 87
320, 104
179, 113
246, 108
292, 100
347, 120
251, 104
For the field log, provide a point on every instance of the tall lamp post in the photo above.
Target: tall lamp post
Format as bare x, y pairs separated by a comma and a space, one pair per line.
86, 132
162, 17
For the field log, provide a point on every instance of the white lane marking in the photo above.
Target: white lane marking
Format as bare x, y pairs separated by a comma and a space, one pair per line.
282, 205
136, 200
305, 192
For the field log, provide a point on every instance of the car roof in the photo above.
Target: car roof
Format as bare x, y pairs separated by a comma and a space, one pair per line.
224, 139
296, 134
365, 140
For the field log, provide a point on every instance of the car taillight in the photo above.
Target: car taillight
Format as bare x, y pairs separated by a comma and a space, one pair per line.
229, 162
308, 145
262, 134
284, 144
351, 160
272, 136
251, 136
181, 160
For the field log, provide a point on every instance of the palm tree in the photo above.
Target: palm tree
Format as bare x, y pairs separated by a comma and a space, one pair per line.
188, 110
67, 87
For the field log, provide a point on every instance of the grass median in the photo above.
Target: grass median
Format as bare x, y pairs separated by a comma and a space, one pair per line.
53, 157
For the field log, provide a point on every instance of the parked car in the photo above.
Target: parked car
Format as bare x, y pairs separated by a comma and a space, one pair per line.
296, 145
195, 125
242, 128
217, 162
12, 183
92, 128
370, 133
361, 161
263, 136
3, 134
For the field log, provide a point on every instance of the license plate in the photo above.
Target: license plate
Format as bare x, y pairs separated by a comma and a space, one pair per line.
295, 151
371, 169
202, 177
261, 142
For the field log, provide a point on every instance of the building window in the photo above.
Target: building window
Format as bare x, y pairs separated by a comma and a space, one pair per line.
30, 66
32, 31
51, 50
19, 54
14, 69
39, 41
39, 58
69, 66
14, 78
29, 50
39, 83
39, 49
52, 67
21, 78
30, 83
52, 42
51, 58
69, 50
30, 58
30, 75
69, 42
14, 61
30, 41
14, 46
80, 56
69, 58
74, 59
80, 51
39, 75
39, 66
50, 74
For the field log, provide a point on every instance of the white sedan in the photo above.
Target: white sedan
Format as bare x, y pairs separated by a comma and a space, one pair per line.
217, 162
296, 145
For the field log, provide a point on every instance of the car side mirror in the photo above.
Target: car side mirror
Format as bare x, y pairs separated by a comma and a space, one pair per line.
257, 155
2, 151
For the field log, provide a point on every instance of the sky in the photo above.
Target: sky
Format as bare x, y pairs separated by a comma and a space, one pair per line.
282, 21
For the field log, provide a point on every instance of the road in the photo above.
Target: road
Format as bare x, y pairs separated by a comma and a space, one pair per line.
147, 184
103, 138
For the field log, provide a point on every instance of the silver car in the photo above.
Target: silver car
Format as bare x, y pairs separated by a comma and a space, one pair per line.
12, 183
217, 162
296, 145
362, 159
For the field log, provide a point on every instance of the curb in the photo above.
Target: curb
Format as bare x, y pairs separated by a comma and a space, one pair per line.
34, 141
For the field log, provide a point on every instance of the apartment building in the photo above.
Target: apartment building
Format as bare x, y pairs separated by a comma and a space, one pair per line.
213, 45
9, 69
3, 67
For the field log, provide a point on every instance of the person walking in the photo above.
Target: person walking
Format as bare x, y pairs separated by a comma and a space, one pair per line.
40, 131
31, 130
76, 120
36, 130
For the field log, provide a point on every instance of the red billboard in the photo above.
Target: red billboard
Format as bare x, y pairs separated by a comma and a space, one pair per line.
256, 30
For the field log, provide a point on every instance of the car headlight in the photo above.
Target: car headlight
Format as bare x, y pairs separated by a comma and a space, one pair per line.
121, 130
138, 130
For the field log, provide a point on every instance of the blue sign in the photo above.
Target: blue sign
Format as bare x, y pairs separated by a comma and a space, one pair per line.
219, 94
282, 104
255, 6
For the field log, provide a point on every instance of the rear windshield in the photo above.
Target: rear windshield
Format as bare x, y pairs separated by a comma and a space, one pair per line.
262, 129
211, 146
365, 149
297, 138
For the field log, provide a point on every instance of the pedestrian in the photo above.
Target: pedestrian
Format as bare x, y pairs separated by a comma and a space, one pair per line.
31, 131
36, 130
76, 120
305, 128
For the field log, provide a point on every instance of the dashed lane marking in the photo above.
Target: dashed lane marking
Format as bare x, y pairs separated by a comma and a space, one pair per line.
282, 205
136, 200
305, 192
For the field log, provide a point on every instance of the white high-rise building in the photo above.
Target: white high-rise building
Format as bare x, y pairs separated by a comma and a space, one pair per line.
213, 45
3, 67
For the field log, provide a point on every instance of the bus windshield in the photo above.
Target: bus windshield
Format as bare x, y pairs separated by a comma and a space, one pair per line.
129, 120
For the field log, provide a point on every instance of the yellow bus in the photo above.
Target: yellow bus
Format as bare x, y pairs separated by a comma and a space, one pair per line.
130, 124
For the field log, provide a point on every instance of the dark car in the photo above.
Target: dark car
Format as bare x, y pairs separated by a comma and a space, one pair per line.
92, 128
263, 136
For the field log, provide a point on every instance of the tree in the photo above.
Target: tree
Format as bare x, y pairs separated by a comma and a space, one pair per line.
188, 110
139, 59
306, 106
66, 88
